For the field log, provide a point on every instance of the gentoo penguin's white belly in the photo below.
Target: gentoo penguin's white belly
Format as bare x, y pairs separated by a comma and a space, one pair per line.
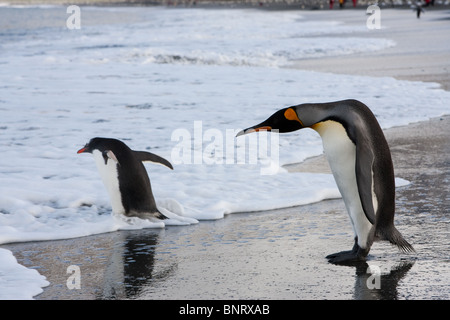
341, 155
110, 178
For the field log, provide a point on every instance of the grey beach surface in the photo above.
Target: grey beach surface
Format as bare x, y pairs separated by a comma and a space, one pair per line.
280, 254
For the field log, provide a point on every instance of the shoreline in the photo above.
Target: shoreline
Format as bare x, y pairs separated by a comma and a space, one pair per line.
187, 263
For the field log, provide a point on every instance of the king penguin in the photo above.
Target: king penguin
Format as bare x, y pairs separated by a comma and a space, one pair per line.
125, 178
360, 160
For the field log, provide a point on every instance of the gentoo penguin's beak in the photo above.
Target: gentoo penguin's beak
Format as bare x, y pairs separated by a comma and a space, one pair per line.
84, 149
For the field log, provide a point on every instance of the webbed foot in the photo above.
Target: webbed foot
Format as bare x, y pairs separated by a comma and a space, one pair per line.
350, 257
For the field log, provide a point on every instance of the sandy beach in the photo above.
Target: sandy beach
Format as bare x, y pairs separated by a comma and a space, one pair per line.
280, 254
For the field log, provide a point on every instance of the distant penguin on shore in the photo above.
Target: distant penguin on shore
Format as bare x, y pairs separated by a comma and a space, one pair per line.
360, 160
125, 177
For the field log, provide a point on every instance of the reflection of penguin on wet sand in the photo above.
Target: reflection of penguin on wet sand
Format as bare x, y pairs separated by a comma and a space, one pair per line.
125, 177
360, 160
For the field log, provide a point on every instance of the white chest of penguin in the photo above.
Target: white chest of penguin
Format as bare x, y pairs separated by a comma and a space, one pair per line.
341, 155
110, 177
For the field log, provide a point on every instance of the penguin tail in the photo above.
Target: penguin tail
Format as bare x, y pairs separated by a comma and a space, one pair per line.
394, 236
160, 216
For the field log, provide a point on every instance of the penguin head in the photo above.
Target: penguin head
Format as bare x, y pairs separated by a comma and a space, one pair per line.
100, 144
284, 120
87, 148
109, 148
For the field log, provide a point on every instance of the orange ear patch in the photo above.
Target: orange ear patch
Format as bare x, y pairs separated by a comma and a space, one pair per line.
290, 114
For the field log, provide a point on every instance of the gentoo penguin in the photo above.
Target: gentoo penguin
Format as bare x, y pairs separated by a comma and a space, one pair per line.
360, 160
125, 177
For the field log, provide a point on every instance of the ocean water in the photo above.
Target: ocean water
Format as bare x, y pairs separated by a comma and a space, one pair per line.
179, 83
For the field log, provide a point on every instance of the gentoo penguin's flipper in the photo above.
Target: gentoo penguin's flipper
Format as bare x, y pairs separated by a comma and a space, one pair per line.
108, 154
144, 156
364, 179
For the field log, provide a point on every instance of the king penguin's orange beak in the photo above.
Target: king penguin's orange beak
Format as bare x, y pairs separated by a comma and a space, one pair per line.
254, 129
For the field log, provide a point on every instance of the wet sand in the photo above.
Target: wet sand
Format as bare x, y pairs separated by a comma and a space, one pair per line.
277, 254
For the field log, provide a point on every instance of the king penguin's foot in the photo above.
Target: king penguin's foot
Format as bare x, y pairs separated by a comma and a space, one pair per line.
346, 257
356, 255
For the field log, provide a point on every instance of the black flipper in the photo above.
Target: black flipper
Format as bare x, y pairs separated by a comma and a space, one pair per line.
108, 154
144, 156
364, 179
